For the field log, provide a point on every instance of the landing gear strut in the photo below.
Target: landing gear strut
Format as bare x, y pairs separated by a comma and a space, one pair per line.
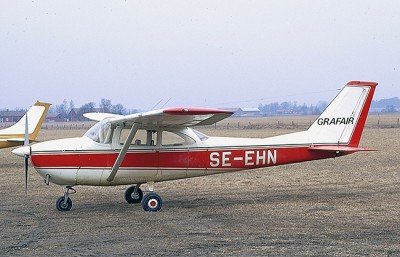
64, 203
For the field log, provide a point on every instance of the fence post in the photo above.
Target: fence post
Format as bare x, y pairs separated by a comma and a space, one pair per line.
379, 124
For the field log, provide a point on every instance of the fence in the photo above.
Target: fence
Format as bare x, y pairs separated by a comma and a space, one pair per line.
276, 122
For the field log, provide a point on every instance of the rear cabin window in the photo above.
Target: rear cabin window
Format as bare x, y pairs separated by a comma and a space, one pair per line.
176, 139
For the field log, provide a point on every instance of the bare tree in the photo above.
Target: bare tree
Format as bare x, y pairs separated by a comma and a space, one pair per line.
105, 105
88, 107
118, 109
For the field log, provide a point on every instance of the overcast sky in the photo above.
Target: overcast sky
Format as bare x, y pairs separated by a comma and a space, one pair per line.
195, 53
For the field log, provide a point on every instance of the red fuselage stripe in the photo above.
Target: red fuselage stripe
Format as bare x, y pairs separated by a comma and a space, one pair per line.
206, 159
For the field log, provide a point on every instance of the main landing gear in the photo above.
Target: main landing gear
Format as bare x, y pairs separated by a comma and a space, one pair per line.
150, 202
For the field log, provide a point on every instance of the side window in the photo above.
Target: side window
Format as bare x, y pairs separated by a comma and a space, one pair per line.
141, 138
176, 139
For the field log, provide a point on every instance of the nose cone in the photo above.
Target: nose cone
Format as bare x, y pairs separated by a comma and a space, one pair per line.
22, 151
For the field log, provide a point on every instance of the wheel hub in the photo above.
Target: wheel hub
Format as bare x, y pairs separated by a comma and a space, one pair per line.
153, 203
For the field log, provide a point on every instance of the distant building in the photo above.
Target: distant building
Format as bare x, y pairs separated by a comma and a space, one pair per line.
248, 112
11, 116
55, 117
244, 112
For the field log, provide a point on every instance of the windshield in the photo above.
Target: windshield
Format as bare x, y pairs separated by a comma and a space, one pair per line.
100, 132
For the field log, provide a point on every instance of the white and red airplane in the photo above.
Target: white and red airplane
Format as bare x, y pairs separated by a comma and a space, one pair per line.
161, 145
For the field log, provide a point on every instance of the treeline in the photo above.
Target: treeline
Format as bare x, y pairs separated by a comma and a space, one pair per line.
104, 105
384, 103
291, 108
388, 105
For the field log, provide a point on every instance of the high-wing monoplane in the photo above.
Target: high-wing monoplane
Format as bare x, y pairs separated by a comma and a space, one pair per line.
161, 145
32, 121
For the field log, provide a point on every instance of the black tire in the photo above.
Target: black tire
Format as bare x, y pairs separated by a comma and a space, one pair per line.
131, 198
61, 206
152, 202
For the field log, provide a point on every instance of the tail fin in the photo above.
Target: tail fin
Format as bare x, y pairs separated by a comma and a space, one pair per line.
36, 116
343, 121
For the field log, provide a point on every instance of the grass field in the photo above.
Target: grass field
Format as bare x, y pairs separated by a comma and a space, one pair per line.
347, 206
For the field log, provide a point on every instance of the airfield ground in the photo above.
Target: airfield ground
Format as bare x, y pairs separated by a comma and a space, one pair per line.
348, 206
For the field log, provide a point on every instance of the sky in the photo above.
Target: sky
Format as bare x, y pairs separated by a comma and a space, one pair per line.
149, 54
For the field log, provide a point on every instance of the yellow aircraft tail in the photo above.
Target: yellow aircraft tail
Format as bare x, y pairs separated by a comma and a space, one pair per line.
15, 134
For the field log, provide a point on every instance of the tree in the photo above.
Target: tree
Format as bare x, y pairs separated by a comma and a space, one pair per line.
105, 105
63, 109
118, 109
88, 107
71, 105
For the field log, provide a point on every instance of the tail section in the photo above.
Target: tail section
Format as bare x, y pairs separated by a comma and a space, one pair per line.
343, 121
36, 116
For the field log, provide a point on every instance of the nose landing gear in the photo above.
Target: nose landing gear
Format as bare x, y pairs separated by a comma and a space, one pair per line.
64, 203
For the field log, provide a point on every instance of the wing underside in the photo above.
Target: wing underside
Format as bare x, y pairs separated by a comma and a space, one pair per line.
176, 117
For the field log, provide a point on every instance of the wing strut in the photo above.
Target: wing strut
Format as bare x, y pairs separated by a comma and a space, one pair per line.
122, 154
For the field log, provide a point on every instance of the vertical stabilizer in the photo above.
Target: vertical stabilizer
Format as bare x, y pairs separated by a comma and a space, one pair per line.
343, 121
36, 116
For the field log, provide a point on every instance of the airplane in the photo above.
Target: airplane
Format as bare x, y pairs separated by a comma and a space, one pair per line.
15, 135
160, 145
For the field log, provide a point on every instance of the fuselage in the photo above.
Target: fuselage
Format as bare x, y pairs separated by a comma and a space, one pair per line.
84, 161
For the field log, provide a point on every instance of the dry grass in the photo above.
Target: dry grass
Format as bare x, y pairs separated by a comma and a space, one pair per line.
343, 207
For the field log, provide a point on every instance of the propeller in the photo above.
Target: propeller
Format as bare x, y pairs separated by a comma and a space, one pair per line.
25, 151
26, 156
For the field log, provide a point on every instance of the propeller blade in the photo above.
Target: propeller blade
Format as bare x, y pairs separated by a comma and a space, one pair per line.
26, 158
26, 139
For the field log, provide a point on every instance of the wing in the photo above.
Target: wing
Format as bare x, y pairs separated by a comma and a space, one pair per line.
176, 117
99, 116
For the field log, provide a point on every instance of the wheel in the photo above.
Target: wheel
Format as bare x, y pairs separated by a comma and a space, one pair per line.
152, 202
61, 206
131, 197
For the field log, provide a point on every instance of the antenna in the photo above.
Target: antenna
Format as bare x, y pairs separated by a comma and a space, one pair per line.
157, 104
166, 102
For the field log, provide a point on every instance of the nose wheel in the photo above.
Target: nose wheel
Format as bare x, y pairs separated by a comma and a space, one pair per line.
64, 203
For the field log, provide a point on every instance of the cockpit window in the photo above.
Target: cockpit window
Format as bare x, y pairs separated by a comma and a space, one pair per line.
100, 132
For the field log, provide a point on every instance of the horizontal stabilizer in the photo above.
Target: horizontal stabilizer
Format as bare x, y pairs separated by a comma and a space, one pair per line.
12, 140
339, 149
